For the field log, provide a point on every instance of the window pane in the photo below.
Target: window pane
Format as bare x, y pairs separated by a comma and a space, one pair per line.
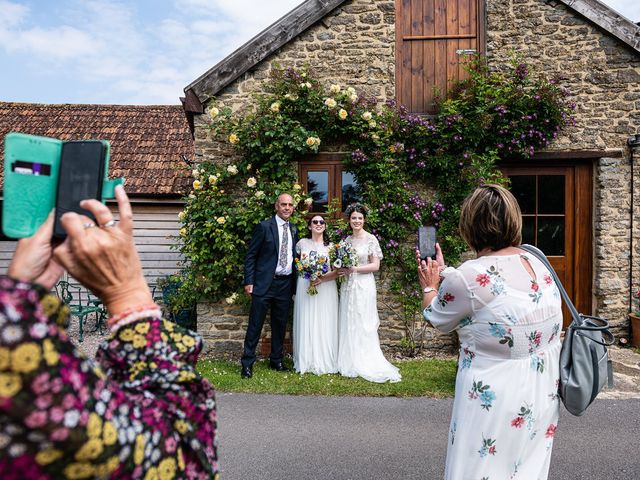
350, 190
523, 188
551, 194
529, 230
551, 235
318, 190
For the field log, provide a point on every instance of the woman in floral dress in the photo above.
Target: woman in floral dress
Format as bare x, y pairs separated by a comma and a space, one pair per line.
142, 412
506, 310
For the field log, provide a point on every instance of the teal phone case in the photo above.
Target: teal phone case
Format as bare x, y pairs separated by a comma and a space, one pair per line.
30, 192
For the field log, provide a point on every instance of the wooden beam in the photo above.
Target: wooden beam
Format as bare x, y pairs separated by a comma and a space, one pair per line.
608, 19
577, 154
437, 37
192, 103
260, 47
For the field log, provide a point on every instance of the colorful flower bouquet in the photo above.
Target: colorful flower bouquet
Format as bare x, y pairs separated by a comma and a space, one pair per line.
343, 255
312, 267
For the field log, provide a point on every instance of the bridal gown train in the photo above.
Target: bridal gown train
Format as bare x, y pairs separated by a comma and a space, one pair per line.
315, 321
359, 353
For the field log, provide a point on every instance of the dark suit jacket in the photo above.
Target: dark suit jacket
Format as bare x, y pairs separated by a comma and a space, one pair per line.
262, 256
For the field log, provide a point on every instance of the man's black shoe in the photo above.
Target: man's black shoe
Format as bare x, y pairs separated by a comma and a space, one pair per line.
278, 367
247, 372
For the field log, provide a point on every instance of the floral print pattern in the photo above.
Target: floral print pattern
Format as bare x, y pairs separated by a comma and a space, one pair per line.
142, 412
467, 358
535, 293
524, 418
537, 359
488, 447
484, 393
503, 333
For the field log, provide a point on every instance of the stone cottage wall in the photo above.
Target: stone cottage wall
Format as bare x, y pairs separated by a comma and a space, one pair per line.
354, 46
603, 75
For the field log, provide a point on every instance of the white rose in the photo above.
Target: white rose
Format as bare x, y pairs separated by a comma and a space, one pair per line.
181, 216
213, 179
275, 107
334, 88
353, 98
251, 182
195, 173
213, 112
367, 116
330, 102
351, 90
232, 169
259, 194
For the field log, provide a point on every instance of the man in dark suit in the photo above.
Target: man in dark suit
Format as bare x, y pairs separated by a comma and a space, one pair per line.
270, 281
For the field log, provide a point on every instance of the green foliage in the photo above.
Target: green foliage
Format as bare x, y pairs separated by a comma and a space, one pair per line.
430, 377
395, 155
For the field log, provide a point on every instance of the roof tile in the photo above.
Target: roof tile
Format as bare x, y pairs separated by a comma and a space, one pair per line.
150, 139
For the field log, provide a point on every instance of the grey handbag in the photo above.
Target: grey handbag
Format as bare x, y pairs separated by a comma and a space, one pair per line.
584, 360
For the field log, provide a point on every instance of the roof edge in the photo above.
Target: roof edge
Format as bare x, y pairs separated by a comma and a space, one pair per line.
260, 47
608, 19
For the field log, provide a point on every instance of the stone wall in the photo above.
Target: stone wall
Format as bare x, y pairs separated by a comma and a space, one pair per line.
354, 46
603, 75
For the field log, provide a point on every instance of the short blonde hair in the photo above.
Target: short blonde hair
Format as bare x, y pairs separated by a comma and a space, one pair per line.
491, 218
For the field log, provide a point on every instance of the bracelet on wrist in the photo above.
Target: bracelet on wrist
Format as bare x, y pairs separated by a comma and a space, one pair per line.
133, 314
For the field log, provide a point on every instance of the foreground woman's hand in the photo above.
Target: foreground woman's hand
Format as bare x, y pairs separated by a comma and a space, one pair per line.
104, 257
33, 261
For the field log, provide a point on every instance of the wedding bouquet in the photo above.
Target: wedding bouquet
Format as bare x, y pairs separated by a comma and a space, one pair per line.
311, 267
343, 255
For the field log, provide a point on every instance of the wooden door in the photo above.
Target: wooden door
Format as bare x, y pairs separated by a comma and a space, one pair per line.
556, 217
433, 40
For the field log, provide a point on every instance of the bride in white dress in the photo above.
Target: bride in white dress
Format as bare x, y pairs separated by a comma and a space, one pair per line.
359, 353
315, 317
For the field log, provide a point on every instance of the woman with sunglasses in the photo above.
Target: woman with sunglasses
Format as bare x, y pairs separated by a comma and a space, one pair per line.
315, 316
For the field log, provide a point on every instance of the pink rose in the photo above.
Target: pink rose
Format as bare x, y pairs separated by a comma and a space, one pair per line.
36, 419
60, 434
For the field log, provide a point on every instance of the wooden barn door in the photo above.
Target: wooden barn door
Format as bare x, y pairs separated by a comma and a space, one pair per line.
556, 217
433, 39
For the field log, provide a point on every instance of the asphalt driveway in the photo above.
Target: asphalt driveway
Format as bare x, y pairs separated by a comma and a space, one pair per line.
302, 438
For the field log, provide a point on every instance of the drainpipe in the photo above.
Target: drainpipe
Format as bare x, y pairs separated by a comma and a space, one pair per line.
633, 142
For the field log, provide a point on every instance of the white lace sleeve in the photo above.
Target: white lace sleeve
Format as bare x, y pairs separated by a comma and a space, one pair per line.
299, 246
374, 247
452, 308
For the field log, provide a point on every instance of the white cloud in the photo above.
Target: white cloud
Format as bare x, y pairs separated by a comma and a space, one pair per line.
628, 8
12, 14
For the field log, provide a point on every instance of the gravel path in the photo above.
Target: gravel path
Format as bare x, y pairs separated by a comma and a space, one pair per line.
91, 338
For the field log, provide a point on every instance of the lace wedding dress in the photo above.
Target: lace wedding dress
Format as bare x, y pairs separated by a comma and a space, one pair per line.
315, 321
359, 353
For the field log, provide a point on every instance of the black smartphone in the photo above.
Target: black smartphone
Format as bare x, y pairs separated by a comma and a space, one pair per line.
427, 238
80, 176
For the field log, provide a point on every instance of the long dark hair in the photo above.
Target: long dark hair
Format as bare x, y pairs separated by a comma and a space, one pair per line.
325, 235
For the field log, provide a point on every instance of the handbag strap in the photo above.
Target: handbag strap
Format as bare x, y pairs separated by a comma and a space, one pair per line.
536, 252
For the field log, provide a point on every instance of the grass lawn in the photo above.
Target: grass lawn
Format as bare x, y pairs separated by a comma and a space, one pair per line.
426, 377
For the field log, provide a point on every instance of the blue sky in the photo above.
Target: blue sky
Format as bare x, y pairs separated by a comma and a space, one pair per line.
130, 52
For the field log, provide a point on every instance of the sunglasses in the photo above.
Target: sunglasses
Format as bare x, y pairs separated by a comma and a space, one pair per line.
318, 222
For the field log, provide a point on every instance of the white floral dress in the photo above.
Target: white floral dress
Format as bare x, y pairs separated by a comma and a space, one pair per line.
359, 353
506, 404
